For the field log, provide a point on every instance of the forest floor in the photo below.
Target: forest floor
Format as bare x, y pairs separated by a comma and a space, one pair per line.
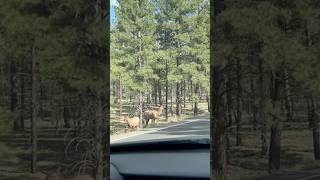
15, 152
16, 149
246, 161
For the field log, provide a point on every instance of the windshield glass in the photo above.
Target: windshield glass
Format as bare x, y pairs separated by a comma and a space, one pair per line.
159, 70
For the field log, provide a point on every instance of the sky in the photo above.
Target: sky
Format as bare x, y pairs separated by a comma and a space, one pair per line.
113, 4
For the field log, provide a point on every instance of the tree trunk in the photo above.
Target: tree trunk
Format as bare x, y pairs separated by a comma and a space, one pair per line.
178, 84
253, 104
178, 102
316, 141
149, 96
229, 99
219, 140
140, 109
208, 101
191, 92
195, 107
288, 100
238, 105
274, 153
184, 94
120, 99
171, 106
116, 92
309, 112
275, 138
103, 164
66, 115
141, 79
114, 89
22, 101
130, 97
229, 106
155, 92
167, 88
160, 92
261, 113
314, 119
2, 84
13, 94
21, 123
217, 119
34, 106
106, 99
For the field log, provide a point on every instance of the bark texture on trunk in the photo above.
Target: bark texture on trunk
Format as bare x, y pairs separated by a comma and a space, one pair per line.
261, 114
219, 139
34, 106
275, 138
288, 99
238, 116
195, 107
218, 117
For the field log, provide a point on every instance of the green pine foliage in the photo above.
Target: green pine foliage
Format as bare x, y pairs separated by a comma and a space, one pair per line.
67, 41
266, 55
168, 32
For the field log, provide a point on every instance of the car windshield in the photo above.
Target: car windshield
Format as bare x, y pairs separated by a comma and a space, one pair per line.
159, 70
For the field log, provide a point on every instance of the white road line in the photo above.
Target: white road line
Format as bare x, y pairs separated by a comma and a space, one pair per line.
309, 177
190, 121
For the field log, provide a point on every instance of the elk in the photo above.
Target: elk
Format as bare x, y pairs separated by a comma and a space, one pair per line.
153, 114
133, 122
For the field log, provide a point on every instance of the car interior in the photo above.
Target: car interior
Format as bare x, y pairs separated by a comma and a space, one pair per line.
172, 159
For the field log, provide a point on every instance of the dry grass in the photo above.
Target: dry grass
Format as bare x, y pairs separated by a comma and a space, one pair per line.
246, 161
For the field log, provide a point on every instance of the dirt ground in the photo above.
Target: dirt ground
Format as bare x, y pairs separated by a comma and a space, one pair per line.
246, 161
15, 150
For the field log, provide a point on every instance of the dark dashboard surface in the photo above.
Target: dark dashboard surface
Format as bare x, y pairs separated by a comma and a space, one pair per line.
168, 159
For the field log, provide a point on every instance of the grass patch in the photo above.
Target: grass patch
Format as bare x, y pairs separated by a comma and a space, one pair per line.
238, 173
310, 164
246, 161
7, 152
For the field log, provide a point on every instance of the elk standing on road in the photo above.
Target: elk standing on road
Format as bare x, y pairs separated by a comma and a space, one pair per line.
153, 114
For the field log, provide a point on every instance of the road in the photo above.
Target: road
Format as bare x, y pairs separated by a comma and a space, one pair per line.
195, 128
303, 175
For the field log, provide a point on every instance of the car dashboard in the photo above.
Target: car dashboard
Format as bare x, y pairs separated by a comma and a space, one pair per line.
159, 160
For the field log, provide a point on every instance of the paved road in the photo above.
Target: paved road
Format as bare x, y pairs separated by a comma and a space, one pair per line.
196, 128
304, 175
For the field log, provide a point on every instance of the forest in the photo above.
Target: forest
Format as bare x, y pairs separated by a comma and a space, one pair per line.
253, 65
159, 56
53, 88
264, 87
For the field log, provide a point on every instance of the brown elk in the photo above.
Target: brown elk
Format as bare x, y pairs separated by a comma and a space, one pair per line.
153, 114
133, 122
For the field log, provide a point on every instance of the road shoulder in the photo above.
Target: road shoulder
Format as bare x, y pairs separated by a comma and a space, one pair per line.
156, 127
